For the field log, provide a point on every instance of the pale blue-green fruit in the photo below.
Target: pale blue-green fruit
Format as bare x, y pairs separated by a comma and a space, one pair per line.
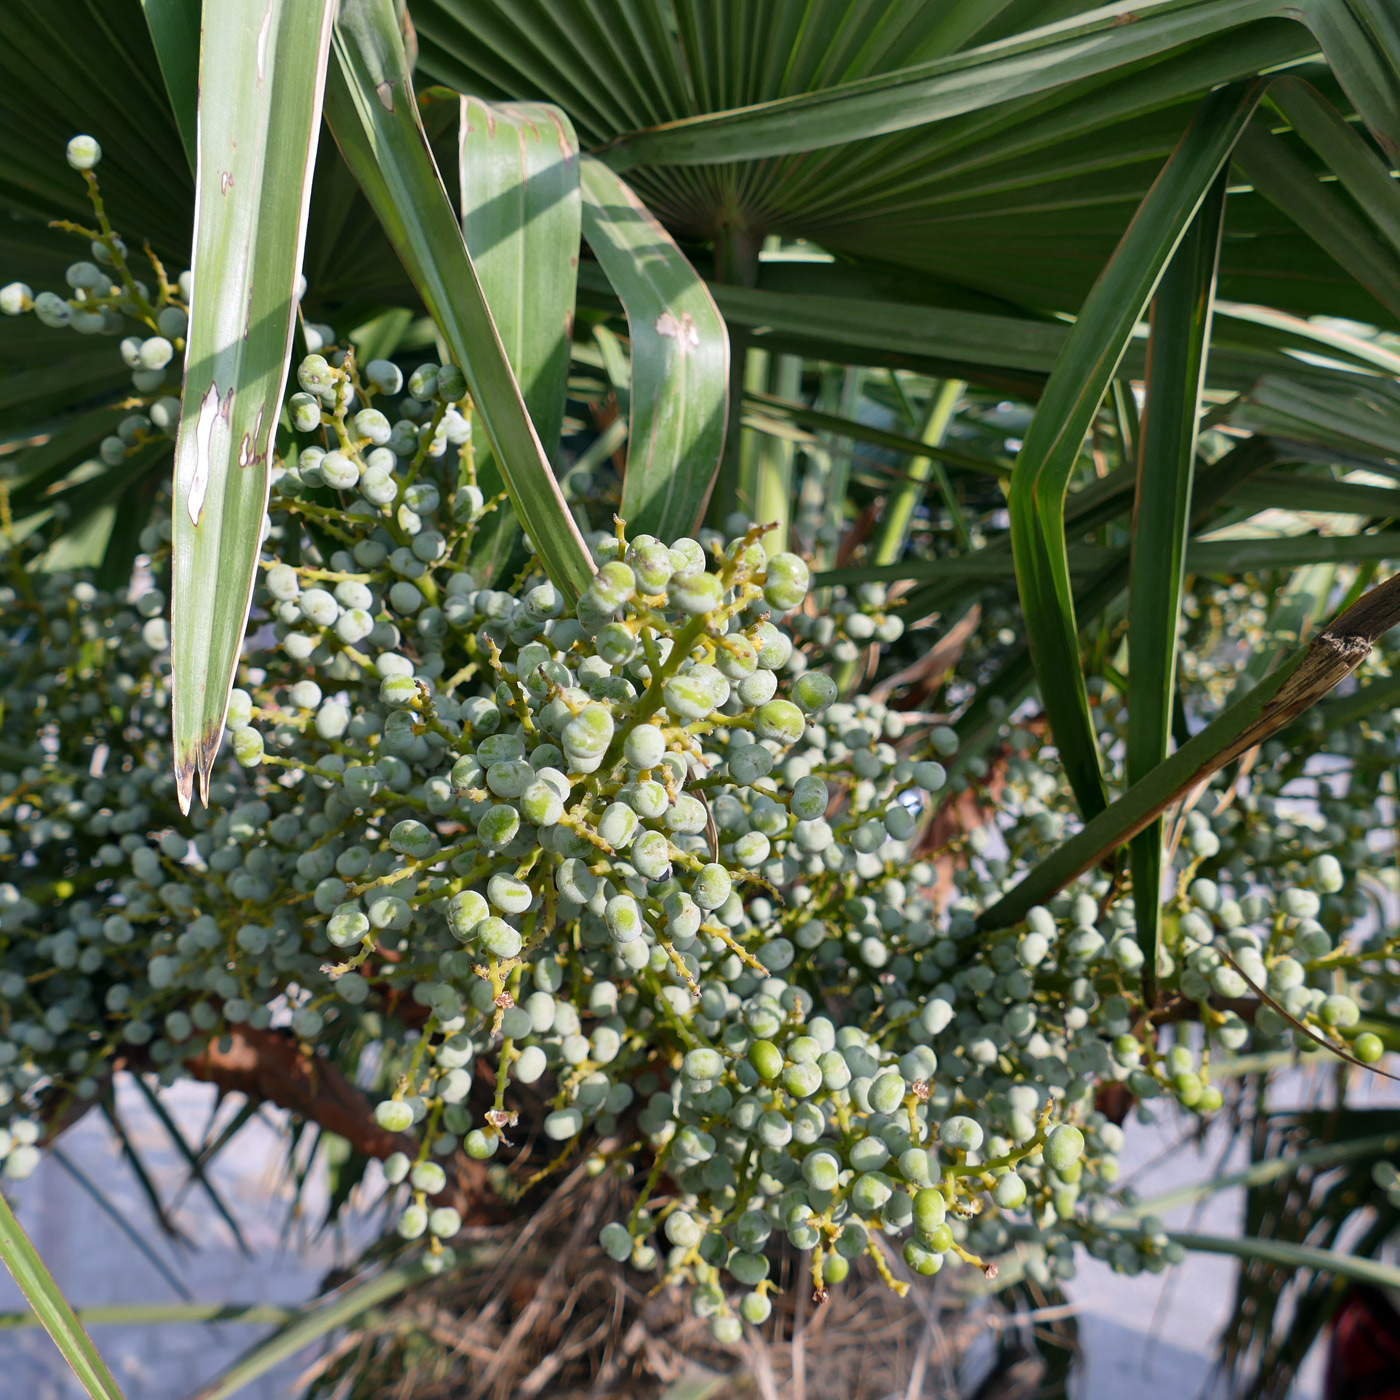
16, 298
444, 1222
962, 1133
394, 1116
156, 352
413, 1222
787, 581
1064, 1147
83, 152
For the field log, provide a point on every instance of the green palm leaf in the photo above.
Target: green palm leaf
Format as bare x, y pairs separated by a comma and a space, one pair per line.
1071, 399
1176, 372
374, 117
679, 395
52, 1309
262, 67
520, 203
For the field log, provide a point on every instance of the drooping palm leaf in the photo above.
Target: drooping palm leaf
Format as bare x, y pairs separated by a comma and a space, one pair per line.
1176, 371
679, 387
374, 116
520, 205
262, 70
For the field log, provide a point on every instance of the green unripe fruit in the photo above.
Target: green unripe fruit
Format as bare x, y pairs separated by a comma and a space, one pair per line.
802, 1081
394, 1116
922, 1260
870, 1191
616, 1241
1339, 1010
414, 840
887, 1092
427, 1177
347, 926
444, 1222
338, 471
480, 1146
624, 918
385, 376
694, 594
587, 736
498, 937
1210, 1100
786, 582
683, 1230
16, 298
451, 384
389, 911
412, 1223
541, 804
683, 916
1368, 1047
755, 1308
766, 1058
651, 856
779, 720
1064, 1147
1326, 873
156, 352
821, 1170
1009, 1192
644, 746
917, 1167
618, 826
531, 1065
814, 691
498, 826
83, 152
702, 1064
711, 887
688, 698
749, 763
612, 586
509, 895
248, 747
940, 1239
964, 1134
930, 1210
465, 912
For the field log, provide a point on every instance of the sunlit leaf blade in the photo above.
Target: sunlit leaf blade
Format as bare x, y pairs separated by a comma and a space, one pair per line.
51, 1308
1072, 396
1292, 688
174, 26
1109, 37
520, 207
763, 485
373, 115
262, 68
680, 360
1176, 370
899, 510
